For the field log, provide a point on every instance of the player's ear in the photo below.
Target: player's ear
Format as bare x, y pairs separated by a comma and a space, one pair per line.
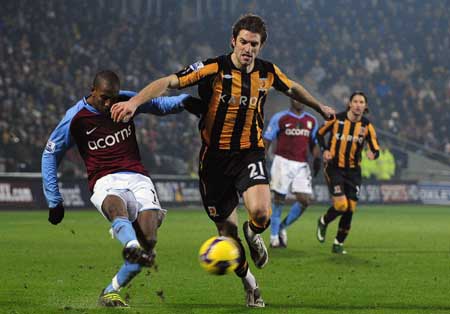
233, 42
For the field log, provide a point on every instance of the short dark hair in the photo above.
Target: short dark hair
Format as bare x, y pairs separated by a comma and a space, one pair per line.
359, 93
252, 23
106, 76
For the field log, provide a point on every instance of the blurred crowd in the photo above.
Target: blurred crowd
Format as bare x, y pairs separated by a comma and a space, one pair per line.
395, 51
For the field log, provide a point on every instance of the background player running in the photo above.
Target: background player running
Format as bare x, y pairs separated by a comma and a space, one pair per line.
294, 131
349, 131
122, 190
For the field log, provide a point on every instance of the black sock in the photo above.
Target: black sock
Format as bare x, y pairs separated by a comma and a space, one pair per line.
257, 229
344, 226
331, 215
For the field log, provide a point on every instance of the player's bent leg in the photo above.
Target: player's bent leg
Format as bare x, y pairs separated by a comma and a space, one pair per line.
340, 206
115, 210
296, 211
146, 226
275, 219
344, 229
257, 202
229, 228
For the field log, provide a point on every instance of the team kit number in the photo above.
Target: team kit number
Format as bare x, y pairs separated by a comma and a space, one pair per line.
257, 170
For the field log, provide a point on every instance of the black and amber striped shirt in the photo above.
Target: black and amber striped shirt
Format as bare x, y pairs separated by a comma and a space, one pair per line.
347, 140
233, 113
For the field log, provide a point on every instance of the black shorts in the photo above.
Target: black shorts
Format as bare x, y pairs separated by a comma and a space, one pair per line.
224, 175
343, 181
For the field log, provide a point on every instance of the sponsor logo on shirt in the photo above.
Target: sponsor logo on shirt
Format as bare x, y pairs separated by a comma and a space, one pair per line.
110, 140
297, 132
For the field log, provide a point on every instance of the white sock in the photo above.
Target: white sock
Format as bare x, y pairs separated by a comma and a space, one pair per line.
250, 232
250, 279
132, 243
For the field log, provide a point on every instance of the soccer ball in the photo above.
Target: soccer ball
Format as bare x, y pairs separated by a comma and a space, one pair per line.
219, 255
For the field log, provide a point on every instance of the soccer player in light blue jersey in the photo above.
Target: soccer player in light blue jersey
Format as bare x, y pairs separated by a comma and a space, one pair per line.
122, 190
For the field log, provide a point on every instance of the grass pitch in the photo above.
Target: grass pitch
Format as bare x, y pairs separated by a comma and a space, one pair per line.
398, 262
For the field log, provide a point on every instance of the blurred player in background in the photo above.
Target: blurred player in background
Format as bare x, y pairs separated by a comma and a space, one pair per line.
122, 190
295, 133
233, 89
349, 131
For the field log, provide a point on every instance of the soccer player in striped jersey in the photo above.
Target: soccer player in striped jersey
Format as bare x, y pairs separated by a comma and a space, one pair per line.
294, 131
233, 89
122, 189
349, 132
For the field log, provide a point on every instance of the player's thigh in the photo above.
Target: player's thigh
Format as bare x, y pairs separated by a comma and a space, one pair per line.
257, 199
108, 191
352, 184
302, 182
281, 175
253, 184
219, 195
335, 181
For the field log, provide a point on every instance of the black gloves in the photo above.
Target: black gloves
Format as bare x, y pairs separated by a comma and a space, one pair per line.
56, 214
194, 105
316, 166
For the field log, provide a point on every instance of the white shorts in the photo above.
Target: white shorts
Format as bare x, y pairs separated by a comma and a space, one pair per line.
136, 190
290, 176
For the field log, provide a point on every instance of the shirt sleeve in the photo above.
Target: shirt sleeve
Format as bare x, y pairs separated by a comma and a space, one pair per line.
313, 136
324, 129
164, 105
373, 140
193, 74
281, 82
58, 143
273, 128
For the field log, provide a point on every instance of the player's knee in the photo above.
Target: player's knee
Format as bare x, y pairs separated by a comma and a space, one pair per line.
113, 206
278, 198
352, 205
261, 218
304, 201
341, 204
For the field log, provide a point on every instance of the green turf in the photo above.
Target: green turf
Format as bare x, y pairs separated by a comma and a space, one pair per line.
398, 262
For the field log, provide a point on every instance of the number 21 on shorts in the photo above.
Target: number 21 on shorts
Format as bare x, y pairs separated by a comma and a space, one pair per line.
257, 170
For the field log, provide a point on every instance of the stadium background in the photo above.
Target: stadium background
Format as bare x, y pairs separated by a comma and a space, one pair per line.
396, 52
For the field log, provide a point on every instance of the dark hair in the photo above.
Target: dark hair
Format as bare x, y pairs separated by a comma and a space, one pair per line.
106, 76
252, 23
359, 93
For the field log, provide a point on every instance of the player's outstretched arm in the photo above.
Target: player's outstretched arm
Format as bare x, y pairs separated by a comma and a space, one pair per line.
165, 105
57, 145
298, 92
123, 111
